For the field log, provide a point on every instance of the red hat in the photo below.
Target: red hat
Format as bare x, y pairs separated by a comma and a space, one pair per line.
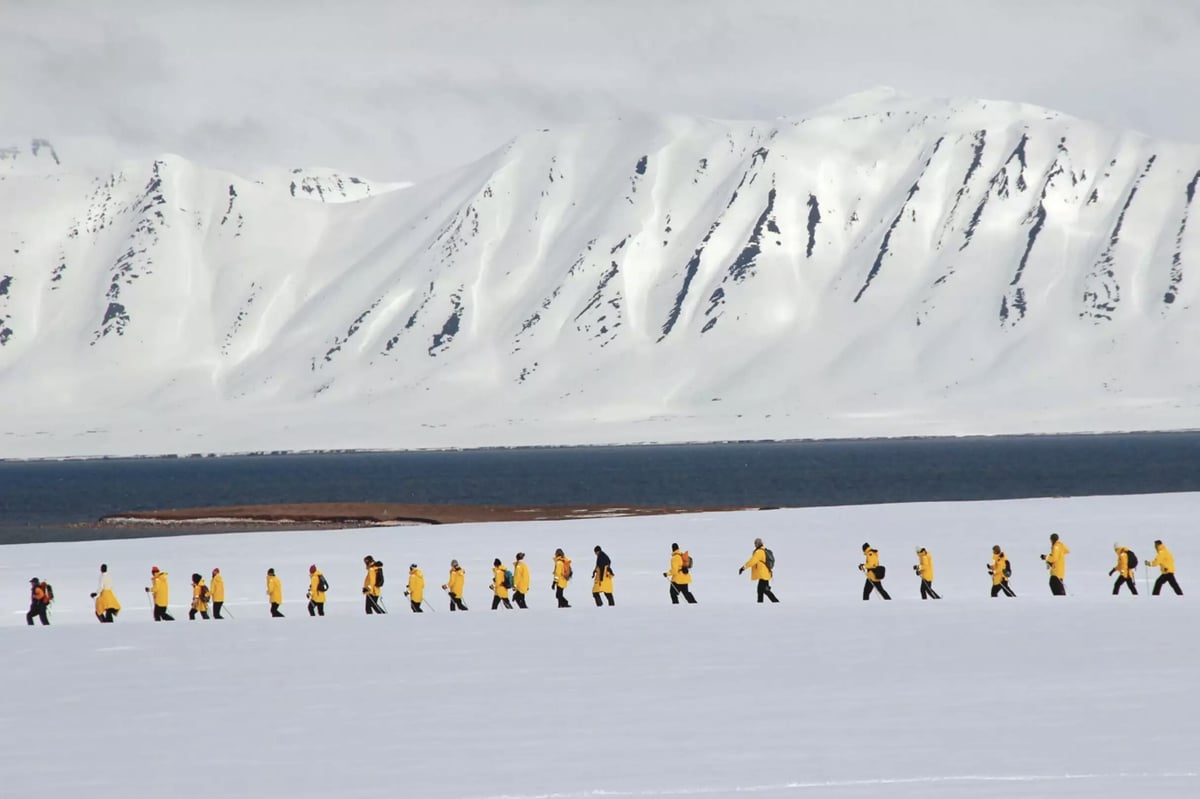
312, 568
216, 570
154, 570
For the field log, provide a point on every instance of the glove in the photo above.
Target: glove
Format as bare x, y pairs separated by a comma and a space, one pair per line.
1043, 557
308, 594
741, 570
364, 590
916, 569
861, 567
666, 574
406, 593
93, 596
1111, 572
147, 590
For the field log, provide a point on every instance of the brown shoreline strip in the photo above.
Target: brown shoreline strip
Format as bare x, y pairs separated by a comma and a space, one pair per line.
371, 514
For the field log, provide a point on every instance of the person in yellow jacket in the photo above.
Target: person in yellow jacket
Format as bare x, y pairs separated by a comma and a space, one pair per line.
520, 580
1165, 562
200, 597
107, 606
924, 570
680, 575
274, 593
1056, 562
499, 585
318, 586
602, 578
416, 588
760, 570
217, 590
1126, 570
874, 572
160, 594
562, 574
372, 586
1000, 572
454, 586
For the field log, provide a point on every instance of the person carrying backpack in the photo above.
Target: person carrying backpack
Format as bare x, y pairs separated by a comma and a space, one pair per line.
1165, 562
317, 588
160, 592
924, 570
760, 566
602, 578
455, 585
40, 597
1126, 569
1056, 562
501, 583
107, 606
274, 593
520, 580
416, 588
874, 572
372, 586
680, 575
217, 593
200, 597
562, 574
1001, 570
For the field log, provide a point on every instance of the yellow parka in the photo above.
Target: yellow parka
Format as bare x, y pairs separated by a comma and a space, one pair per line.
999, 564
757, 565
274, 590
602, 583
217, 589
870, 562
106, 600
198, 603
560, 571
160, 589
1057, 559
369, 581
521, 577
676, 572
314, 587
925, 562
1164, 560
456, 582
1125, 567
416, 586
498, 581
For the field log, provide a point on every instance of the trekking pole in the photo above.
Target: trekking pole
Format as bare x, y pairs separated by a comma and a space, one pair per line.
1146, 575
381, 606
426, 603
226, 610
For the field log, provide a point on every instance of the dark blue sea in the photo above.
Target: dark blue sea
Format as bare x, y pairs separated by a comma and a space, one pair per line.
40, 499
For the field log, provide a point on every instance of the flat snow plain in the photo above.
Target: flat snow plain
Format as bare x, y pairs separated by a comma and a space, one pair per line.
821, 695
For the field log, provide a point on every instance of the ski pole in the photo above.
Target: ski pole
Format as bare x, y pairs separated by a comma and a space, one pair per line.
426, 603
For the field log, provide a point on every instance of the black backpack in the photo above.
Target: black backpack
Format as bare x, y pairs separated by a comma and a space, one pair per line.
1007, 568
880, 571
378, 574
769, 559
323, 584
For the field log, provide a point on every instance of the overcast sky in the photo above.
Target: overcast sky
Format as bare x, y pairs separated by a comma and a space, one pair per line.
403, 90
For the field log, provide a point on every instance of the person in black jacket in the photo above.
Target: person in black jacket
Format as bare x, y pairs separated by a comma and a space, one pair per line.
602, 578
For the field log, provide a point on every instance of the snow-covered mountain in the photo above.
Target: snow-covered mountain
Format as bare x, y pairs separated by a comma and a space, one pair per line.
884, 266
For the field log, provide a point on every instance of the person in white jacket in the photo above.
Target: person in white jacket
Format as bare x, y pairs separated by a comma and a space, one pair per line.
107, 606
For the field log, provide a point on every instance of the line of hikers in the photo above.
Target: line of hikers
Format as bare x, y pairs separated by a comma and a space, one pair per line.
511, 585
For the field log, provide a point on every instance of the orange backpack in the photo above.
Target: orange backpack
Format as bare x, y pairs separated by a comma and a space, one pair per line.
685, 560
568, 573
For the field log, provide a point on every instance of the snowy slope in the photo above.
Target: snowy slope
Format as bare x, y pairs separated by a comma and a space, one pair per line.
884, 266
821, 695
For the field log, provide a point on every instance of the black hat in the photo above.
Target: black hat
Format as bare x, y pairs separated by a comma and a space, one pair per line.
866, 547
412, 566
1054, 536
674, 547
196, 578
597, 549
270, 571
33, 581
496, 562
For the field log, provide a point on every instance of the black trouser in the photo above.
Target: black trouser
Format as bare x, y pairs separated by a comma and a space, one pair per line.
1056, 587
275, 611
562, 599
871, 585
497, 599
217, 610
1166, 579
316, 608
37, 608
927, 591
1002, 586
597, 594
519, 598
1125, 581
764, 590
160, 613
107, 617
456, 603
416, 606
192, 614
372, 604
682, 588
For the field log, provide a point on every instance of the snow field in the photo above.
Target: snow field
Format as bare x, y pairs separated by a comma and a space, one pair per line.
821, 695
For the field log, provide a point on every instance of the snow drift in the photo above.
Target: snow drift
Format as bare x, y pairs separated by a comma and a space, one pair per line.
884, 266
